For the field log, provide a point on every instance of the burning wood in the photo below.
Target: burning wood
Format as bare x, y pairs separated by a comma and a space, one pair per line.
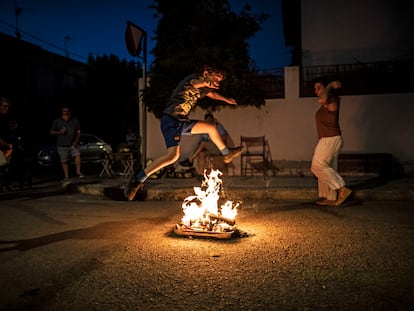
203, 215
183, 230
230, 222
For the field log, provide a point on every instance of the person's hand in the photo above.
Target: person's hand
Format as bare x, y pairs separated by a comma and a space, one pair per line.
62, 131
336, 84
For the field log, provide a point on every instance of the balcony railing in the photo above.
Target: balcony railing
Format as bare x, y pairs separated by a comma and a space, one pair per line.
362, 79
271, 83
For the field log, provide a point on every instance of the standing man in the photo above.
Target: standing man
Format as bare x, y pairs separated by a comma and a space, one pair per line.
67, 131
175, 122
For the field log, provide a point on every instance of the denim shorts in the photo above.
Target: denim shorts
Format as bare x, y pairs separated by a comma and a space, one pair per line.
172, 129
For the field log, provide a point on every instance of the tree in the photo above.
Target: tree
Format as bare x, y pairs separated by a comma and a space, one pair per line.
109, 99
193, 32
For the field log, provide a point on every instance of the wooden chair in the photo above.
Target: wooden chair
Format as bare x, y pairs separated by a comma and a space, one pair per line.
255, 157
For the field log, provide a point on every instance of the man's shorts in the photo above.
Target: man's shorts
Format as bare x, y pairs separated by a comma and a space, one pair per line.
66, 153
172, 129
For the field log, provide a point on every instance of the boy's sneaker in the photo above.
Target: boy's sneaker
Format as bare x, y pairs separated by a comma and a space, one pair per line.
186, 162
233, 153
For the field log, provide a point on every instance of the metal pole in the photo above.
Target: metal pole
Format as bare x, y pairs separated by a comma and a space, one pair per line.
134, 35
144, 108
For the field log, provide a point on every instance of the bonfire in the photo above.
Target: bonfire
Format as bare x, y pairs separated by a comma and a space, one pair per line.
207, 212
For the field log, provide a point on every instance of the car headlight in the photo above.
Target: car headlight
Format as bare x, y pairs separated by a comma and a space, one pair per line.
44, 158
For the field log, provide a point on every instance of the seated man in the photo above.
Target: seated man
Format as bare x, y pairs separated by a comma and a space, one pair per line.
206, 147
131, 140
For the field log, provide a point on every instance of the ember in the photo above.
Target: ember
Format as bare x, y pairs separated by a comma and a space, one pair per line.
203, 213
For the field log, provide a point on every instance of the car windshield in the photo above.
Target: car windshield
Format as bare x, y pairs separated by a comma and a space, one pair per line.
87, 139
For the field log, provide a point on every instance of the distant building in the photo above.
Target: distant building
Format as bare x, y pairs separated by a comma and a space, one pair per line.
36, 80
345, 32
369, 45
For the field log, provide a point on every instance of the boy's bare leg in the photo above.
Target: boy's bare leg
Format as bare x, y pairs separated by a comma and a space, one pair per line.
202, 127
134, 185
229, 154
173, 153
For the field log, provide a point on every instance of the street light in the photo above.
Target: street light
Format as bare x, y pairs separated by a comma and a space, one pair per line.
136, 40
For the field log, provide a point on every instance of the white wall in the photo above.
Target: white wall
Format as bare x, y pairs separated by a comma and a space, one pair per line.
378, 123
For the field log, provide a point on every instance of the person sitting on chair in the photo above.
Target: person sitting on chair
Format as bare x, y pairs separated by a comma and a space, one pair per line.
206, 147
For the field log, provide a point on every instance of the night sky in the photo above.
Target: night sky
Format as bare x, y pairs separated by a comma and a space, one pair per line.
98, 27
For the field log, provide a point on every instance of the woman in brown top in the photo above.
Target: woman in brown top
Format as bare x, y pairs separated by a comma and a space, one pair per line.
331, 186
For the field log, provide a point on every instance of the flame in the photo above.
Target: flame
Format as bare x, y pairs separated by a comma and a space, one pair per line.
202, 210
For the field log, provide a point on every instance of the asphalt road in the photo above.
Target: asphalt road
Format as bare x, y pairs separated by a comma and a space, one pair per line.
76, 252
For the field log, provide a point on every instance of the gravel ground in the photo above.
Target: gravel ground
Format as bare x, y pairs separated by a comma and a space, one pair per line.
77, 253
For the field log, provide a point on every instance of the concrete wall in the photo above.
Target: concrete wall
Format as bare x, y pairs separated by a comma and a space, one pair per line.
352, 31
377, 123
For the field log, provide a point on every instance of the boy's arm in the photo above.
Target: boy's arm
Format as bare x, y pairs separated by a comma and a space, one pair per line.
199, 83
217, 96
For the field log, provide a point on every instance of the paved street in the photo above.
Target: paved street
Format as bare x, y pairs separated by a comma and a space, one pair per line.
79, 252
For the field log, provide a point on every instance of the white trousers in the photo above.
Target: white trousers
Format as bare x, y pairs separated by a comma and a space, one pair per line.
325, 164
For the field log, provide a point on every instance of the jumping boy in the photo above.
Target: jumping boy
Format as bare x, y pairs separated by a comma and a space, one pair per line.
175, 122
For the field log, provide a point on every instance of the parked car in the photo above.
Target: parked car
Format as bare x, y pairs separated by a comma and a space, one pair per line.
92, 149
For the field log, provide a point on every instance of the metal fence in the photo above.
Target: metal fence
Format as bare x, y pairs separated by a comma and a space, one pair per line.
356, 79
362, 78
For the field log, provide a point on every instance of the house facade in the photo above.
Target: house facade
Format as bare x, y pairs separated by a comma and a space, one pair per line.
370, 124
323, 33
328, 33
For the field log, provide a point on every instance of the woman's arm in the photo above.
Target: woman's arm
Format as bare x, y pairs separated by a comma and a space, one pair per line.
330, 102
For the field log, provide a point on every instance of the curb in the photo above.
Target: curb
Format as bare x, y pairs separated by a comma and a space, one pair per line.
169, 193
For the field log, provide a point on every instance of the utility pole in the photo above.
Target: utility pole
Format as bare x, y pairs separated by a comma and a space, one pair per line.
136, 41
17, 11
67, 38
